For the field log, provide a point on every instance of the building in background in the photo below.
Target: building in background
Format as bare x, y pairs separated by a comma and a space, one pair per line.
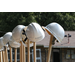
61, 52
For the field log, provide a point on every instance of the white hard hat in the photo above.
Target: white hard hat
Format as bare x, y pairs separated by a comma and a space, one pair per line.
14, 44
6, 37
17, 33
1, 43
56, 30
34, 32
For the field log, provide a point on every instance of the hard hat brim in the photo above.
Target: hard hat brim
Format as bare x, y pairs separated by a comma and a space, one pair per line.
26, 44
50, 32
14, 44
2, 49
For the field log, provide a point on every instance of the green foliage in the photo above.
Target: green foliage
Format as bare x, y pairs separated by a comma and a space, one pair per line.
8, 20
65, 19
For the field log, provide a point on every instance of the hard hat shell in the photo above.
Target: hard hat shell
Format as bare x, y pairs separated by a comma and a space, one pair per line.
6, 37
56, 30
1, 43
34, 32
17, 33
14, 44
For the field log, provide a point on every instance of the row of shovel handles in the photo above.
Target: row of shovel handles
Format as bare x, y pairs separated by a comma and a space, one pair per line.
4, 54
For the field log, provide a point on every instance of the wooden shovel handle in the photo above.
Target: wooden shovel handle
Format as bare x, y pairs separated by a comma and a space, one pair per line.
0, 56
21, 52
34, 52
15, 54
50, 48
28, 50
10, 54
6, 55
3, 56
24, 55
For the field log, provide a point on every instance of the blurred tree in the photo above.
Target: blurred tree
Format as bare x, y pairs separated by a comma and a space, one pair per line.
65, 19
8, 20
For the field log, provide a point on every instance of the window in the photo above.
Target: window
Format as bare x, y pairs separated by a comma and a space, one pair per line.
38, 55
13, 55
70, 54
73, 55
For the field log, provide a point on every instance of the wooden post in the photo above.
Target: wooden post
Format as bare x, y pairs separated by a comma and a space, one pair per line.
15, 54
0, 56
3, 56
10, 54
50, 48
24, 55
28, 50
34, 49
6, 54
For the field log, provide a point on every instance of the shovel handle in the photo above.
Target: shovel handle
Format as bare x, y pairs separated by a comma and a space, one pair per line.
34, 52
15, 54
50, 48
24, 55
0, 56
6, 55
10, 54
3, 56
28, 50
